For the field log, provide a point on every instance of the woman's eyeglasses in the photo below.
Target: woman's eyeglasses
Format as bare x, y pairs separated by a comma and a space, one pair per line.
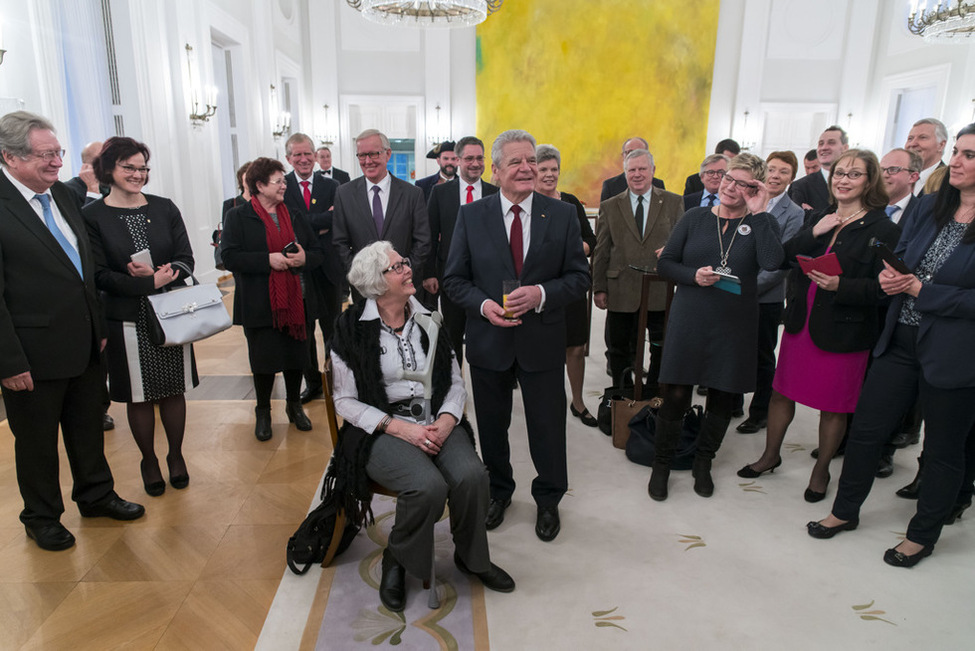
397, 268
853, 175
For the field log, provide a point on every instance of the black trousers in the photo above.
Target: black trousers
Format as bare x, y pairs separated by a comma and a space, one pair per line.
621, 333
454, 321
330, 302
543, 394
769, 318
893, 382
34, 416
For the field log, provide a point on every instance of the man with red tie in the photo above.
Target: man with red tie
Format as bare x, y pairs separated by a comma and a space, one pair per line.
518, 234
445, 200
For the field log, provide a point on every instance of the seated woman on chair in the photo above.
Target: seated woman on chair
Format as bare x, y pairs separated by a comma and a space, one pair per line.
374, 342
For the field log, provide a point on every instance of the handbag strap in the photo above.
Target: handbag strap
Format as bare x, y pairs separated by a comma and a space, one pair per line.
186, 269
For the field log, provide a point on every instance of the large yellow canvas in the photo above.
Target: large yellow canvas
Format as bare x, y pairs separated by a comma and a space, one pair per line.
585, 75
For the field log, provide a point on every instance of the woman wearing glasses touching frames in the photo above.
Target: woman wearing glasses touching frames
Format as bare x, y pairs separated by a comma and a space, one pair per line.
832, 317
123, 227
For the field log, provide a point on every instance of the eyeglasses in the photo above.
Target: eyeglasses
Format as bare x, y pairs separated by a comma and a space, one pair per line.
742, 185
397, 268
278, 182
893, 169
473, 159
713, 173
48, 156
853, 175
371, 155
129, 169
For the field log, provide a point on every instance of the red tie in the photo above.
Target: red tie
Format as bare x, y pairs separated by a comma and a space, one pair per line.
470, 194
306, 193
517, 245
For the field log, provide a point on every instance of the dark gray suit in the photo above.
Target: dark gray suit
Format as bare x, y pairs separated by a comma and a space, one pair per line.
810, 189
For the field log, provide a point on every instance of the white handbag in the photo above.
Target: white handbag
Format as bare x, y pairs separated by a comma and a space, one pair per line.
187, 314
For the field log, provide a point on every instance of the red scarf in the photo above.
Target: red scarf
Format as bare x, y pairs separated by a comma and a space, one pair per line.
287, 306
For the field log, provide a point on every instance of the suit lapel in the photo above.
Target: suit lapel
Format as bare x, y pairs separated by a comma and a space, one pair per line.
626, 210
652, 213
539, 226
361, 204
24, 213
391, 206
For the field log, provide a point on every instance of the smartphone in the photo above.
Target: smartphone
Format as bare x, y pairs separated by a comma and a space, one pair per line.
290, 247
890, 257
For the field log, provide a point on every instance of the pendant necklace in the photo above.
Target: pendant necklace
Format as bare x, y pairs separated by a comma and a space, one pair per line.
723, 268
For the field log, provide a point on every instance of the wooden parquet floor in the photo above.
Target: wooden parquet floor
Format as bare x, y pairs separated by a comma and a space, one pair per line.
200, 570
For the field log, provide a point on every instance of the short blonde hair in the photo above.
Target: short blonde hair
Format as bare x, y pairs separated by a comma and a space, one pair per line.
366, 272
749, 163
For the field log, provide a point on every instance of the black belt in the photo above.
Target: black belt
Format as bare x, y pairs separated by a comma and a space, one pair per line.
411, 408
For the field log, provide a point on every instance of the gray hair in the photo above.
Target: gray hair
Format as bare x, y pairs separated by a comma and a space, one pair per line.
508, 137
638, 153
547, 152
15, 131
916, 163
940, 130
368, 133
712, 159
366, 272
295, 138
466, 141
646, 145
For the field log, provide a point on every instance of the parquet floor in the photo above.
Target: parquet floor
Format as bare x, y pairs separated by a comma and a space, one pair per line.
200, 570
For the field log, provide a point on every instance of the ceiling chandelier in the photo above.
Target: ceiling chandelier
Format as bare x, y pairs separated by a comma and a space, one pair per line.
950, 21
426, 13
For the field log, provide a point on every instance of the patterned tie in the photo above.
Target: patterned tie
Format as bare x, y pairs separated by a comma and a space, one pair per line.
517, 243
891, 210
306, 193
377, 210
470, 194
639, 215
71, 252
711, 199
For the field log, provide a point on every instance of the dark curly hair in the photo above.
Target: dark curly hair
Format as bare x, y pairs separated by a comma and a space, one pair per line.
949, 197
260, 171
116, 149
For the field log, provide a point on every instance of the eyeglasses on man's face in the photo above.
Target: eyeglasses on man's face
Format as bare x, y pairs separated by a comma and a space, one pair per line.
398, 267
713, 173
893, 169
47, 156
371, 155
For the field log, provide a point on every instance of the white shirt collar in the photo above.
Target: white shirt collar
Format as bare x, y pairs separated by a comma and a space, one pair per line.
383, 185
526, 205
370, 312
23, 189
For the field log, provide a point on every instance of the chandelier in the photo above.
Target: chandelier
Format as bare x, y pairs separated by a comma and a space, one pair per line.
952, 21
426, 13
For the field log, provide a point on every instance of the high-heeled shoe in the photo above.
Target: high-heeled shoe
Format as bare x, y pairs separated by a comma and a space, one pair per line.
900, 559
584, 416
179, 482
153, 488
812, 496
296, 414
821, 531
956, 512
750, 473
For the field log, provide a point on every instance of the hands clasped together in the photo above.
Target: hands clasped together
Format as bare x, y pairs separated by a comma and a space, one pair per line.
429, 438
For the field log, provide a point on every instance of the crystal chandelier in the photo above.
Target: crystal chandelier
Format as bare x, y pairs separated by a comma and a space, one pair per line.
426, 13
946, 21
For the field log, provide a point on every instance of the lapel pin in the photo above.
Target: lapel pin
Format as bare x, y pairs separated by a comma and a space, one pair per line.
314, 200
543, 215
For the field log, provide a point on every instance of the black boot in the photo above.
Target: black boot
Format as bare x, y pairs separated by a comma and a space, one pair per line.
713, 430
262, 430
665, 444
392, 585
297, 415
910, 491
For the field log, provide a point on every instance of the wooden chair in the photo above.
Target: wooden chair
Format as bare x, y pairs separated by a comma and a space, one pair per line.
331, 418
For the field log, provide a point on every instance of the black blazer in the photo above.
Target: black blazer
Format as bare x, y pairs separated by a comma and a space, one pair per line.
428, 183
112, 248
693, 183
50, 318
442, 208
244, 249
613, 186
810, 189
846, 320
318, 218
693, 200
231, 203
339, 176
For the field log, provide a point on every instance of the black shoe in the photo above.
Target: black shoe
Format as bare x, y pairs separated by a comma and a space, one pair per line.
839, 453
904, 439
657, 487
494, 579
108, 423
910, 491
812, 496
547, 525
495, 513
703, 484
702, 391
738, 413
262, 428
956, 512
584, 416
885, 468
153, 488
53, 536
750, 473
115, 508
297, 415
179, 482
897, 559
750, 426
310, 394
392, 586
817, 530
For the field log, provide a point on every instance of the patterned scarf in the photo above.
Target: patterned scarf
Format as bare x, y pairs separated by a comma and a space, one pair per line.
287, 306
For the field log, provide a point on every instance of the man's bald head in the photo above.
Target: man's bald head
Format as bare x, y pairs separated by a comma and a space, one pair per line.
91, 151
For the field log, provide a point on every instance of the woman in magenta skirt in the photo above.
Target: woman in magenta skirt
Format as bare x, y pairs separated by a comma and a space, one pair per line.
831, 321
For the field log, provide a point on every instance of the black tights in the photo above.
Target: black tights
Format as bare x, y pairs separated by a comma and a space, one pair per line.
142, 422
677, 400
264, 382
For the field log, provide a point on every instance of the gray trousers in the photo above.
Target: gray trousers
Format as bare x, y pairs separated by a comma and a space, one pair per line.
424, 485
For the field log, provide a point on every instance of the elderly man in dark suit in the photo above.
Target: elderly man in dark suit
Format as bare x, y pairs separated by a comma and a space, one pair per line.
518, 234
811, 191
713, 168
445, 200
379, 206
728, 147
324, 157
51, 333
632, 227
312, 196
614, 185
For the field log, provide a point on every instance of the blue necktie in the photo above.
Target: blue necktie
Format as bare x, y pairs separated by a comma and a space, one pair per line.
711, 199
71, 252
891, 210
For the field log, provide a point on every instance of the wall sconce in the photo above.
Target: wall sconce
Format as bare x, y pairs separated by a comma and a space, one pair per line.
281, 120
436, 134
747, 143
203, 102
326, 137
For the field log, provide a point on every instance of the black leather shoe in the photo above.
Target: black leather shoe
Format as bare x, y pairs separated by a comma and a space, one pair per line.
750, 473
494, 579
297, 415
153, 488
839, 453
703, 484
956, 512
812, 496
910, 491
262, 428
897, 559
885, 468
904, 439
495, 513
749, 426
392, 586
114, 507
659, 477
702, 391
53, 536
547, 524
817, 530
584, 416
310, 394
108, 423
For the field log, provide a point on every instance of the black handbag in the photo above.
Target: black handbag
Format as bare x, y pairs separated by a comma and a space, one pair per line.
640, 446
310, 542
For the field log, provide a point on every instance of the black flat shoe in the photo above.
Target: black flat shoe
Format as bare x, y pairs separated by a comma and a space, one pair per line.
52, 537
115, 508
812, 496
898, 559
310, 394
495, 513
750, 473
584, 416
392, 586
108, 423
179, 482
885, 467
547, 524
956, 512
749, 426
821, 531
153, 488
494, 579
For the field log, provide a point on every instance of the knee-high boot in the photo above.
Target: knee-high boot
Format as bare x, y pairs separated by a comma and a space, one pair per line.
712, 433
665, 445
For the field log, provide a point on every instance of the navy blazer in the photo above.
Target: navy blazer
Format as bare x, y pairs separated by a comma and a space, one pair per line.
946, 335
693, 200
428, 183
810, 189
480, 260
442, 207
319, 218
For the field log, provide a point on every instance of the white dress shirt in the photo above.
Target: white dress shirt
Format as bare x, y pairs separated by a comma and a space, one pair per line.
383, 186
59, 219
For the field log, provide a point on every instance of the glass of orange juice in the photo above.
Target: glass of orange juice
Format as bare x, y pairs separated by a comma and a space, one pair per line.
508, 286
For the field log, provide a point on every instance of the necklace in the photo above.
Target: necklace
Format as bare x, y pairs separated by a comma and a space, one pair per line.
843, 220
723, 268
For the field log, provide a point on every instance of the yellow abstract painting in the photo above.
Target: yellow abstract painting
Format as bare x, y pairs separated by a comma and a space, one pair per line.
584, 76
